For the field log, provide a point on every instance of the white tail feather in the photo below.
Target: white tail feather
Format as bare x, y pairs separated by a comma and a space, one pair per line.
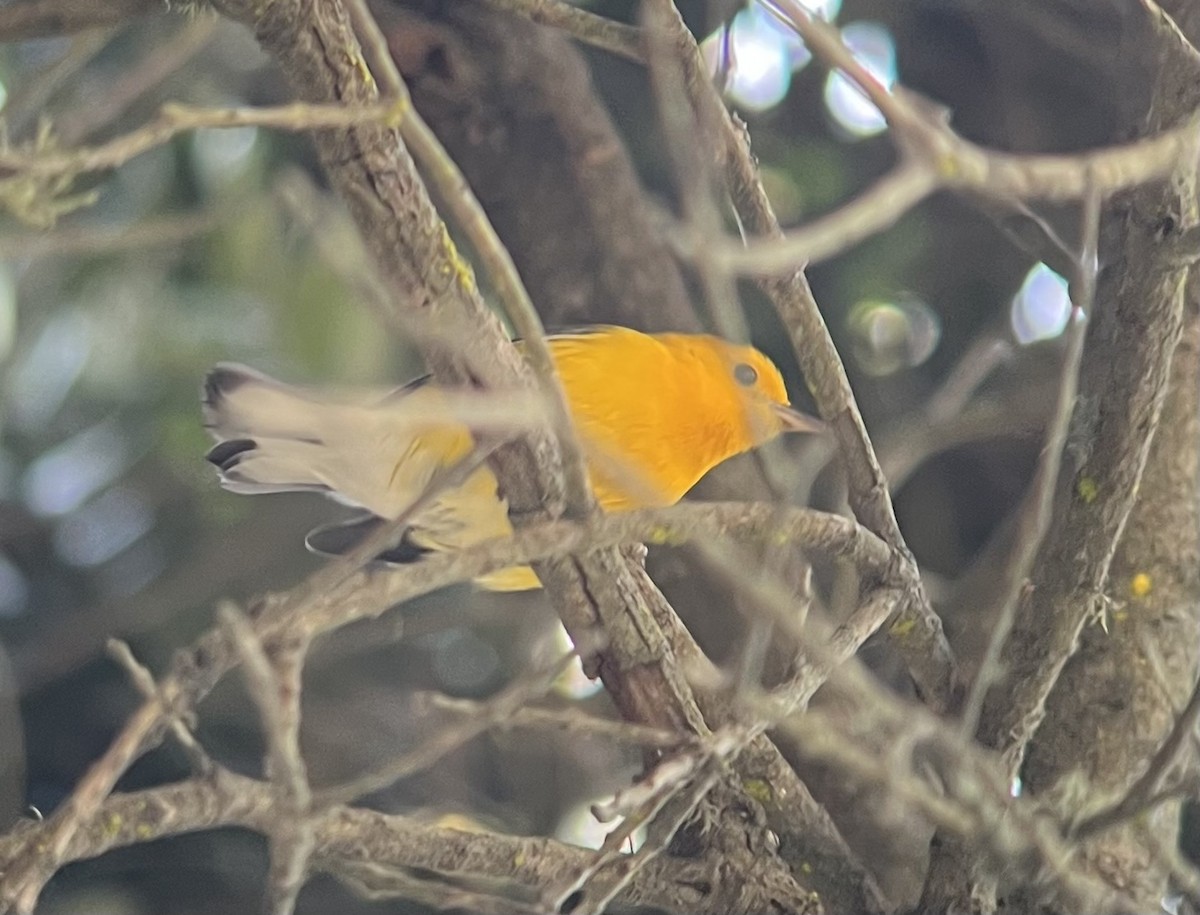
238, 401
273, 437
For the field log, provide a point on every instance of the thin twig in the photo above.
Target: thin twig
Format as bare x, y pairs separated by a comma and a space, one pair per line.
935, 156
917, 633
435, 891
975, 807
165, 231
697, 184
876, 209
25, 877
174, 119
120, 652
445, 176
822, 651
364, 843
31, 98
981, 358
363, 595
275, 686
163, 60
966, 167
588, 27
696, 772
497, 710
570, 720
1036, 516
950, 162
692, 168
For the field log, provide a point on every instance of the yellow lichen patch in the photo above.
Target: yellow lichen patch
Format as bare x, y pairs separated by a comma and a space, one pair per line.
1140, 585
664, 536
396, 113
456, 264
758, 789
1087, 490
144, 830
112, 825
948, 166
460, 822
901, 628
780, 538
364, 72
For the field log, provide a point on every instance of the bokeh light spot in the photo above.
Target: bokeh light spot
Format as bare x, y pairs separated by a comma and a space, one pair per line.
65, 477
223, 155
105, 527
1041, 307
761, 52
775, 12
874, 47
42, 379
761, 67
889, 336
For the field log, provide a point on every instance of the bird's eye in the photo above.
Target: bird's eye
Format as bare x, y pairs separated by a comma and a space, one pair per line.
745, 374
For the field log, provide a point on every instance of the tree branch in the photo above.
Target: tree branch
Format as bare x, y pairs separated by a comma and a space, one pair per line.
275, 686
916, 631
515, 106
1125, 378
334, 598
360, 843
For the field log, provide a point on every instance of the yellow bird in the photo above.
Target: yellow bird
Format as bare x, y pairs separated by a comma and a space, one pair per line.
654, 413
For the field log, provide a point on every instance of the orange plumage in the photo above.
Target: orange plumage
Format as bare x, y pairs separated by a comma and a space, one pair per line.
654, 413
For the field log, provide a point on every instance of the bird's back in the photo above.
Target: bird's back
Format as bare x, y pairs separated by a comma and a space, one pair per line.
654, 412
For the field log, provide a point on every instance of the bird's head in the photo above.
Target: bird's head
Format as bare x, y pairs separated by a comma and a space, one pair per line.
754, 385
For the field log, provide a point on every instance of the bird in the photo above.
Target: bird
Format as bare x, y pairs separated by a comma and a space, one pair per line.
653, 414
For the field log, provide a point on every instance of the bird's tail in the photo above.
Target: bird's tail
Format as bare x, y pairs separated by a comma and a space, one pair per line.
270, 436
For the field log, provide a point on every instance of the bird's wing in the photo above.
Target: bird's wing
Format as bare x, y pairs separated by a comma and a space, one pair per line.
340, 537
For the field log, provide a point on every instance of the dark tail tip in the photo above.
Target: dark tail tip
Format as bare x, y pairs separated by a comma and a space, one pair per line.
222, 381
226, 455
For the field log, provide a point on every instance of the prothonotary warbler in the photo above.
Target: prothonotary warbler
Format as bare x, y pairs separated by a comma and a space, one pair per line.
654, 413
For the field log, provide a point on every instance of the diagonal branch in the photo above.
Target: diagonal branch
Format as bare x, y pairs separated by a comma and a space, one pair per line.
334, 597
441, 171
363, 846
916, 630
275, 686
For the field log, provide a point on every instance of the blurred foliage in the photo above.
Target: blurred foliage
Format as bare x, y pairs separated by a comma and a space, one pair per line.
112, 524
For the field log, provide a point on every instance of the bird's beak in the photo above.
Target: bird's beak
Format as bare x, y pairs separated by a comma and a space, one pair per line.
795, 421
